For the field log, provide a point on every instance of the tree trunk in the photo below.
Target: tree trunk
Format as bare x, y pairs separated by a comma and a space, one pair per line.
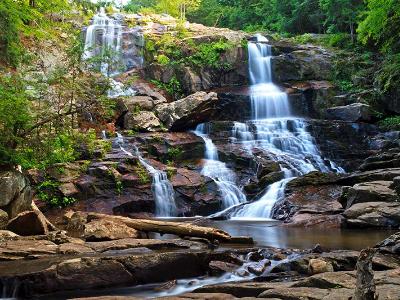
177, 228
365, 285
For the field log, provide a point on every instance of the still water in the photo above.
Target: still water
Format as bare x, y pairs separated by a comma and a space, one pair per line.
267, 233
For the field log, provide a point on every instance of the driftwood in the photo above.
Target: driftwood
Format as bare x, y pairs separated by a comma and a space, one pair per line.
365, 285
165, 227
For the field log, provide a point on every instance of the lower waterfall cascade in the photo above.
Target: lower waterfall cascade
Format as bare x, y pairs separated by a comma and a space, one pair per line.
275, 131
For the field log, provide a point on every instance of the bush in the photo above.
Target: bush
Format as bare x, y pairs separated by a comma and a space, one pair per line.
173, 87
48, 192
390, 123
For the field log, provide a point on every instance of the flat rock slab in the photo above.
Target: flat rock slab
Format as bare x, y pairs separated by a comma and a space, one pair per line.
25, 248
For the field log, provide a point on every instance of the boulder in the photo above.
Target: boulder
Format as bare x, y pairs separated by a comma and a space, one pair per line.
105, 230
220, 267
356, 112
15, 192
28, 223
373, 191
390, 244
316, 266
134, 104
145, 121
374, 214
188, 111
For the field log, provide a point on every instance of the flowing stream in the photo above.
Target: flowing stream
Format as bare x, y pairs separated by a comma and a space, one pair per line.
161, 187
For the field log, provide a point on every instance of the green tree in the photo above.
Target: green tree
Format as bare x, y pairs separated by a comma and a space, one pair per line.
342, 15
381, 25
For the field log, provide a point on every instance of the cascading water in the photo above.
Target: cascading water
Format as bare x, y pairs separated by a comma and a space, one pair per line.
104, 39
219, 172
275, 130
161, 187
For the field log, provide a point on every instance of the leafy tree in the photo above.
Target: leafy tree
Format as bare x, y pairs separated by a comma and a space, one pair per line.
381, 25
342, 15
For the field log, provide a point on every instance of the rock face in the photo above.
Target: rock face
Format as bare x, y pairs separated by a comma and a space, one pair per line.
15, 193
356, 112
310, 63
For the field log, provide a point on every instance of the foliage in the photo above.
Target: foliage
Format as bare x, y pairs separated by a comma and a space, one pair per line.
388, 77
173, 87
174, 153
381, 25
390, 123
171, 170
142, 173
48, 192
209, 54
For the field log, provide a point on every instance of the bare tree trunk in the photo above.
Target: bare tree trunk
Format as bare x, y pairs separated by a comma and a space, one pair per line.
365, 285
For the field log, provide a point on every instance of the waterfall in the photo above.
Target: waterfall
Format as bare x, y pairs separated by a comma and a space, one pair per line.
275, 130
161, 187
104, 40
219, 172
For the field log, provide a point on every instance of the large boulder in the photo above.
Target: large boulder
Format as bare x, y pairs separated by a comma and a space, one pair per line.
28, 223
374, 214
144, 121
104, 230
134, 103
356, 112
15, 192
188, 111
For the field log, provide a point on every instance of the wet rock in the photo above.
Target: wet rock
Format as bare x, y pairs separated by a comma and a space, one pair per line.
356, 112
316, 266
220, 267
374, 214
65, 172
390, 244
15, 192
144, 121
373, 191
187, 112
104, 230
259, 268
28, 223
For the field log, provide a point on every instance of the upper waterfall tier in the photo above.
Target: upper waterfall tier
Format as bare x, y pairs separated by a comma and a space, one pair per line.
267, 100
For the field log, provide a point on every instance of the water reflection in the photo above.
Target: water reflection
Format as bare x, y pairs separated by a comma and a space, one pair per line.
269, 234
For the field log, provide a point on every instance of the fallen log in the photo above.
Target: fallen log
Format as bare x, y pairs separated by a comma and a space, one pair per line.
164, 227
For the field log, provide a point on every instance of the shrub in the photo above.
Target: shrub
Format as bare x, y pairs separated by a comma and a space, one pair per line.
390, 123
48, 192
